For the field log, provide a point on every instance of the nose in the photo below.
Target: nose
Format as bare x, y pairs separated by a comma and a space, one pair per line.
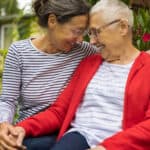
93, 40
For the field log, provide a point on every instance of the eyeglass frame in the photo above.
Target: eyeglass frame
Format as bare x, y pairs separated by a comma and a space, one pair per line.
99, 29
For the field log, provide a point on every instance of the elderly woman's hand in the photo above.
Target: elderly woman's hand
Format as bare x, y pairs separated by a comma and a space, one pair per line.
11, 137
5, 141
19, 133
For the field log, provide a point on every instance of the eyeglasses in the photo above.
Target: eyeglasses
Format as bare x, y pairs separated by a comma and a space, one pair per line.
93, 32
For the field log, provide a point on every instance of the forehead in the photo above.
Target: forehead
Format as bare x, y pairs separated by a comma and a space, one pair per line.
81, 20
96, 20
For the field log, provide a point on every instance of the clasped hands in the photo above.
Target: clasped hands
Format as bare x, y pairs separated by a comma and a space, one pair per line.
11, 137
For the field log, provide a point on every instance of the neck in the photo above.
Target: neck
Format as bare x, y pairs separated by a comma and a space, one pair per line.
44, 44
125, 54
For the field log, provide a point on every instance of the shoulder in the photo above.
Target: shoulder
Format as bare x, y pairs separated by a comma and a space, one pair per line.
85, 44
144, 57
18, 47
20, 43
143, 63
87, 48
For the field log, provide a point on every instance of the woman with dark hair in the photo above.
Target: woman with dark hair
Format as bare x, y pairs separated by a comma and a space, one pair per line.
37, 69
106, 105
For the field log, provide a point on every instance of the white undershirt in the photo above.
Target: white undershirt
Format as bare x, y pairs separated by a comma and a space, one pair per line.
100, 114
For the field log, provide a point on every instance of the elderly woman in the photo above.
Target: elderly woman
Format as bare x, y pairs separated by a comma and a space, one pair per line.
106, 105
37, 69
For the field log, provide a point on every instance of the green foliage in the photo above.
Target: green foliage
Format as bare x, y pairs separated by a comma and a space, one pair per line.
141, 28
3, 54
92, 2
26, 26
126, 1
10, 6
24, 22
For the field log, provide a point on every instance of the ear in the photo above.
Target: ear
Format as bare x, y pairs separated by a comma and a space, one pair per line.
52, 20
124, 27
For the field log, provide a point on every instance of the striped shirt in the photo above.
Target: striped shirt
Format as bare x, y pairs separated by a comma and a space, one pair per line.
33, 79
100, 114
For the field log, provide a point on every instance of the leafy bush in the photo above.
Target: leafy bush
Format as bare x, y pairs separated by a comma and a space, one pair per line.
3, 54
141, 30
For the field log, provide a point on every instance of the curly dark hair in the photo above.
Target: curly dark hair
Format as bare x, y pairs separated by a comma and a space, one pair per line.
63, 9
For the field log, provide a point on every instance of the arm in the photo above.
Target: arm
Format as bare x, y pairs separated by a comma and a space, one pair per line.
88, 49
10, 86
51, 119
8, 141
137, 137
8, 97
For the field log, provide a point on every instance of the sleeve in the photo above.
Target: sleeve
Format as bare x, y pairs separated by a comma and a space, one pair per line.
51, 119
136, 137
88, 48
10, 85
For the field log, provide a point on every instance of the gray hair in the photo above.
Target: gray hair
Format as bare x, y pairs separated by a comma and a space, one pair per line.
63, 9
113, 9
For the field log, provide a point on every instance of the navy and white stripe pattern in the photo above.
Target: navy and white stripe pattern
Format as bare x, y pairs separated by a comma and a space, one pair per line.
100, 114
35, 78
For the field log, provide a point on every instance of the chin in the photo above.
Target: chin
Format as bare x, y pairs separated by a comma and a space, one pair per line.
104, 53
69, 48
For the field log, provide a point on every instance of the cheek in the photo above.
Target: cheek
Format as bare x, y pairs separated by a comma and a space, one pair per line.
109, 39
103, 38
69, 40
66, 36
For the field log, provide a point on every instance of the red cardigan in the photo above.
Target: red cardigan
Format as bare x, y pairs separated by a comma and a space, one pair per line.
136, 119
